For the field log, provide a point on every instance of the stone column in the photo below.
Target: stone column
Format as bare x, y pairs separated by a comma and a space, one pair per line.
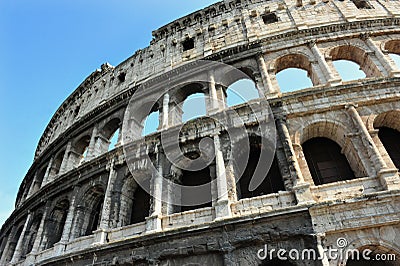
388, 177
91, 152
329, 76
300, 187
153, 223
222, 207
68, 227
32, 186
268, 87
391, 68
213, 106
101, 233
18, 248
64, 164
46, 178
165, 112
175, 176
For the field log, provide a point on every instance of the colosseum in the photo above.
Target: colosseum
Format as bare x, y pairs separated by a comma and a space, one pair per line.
333, 181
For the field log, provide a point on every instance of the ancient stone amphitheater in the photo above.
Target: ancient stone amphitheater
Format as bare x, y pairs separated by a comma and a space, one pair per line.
334, 174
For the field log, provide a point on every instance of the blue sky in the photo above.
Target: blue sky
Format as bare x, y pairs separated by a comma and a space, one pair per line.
47, 48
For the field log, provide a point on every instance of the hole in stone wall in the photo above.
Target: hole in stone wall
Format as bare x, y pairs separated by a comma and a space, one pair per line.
194, 106
151, 123
362, 4
269, 18
349, 70
121, 76
240, 92
188, 44
396, 59
292, 79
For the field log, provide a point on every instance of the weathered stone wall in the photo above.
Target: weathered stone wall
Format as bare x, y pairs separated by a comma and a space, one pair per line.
67, 192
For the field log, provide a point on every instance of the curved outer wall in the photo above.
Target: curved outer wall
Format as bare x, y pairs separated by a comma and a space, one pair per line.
62, 196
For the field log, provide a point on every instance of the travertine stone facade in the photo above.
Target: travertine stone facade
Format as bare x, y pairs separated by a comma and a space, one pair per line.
73, 209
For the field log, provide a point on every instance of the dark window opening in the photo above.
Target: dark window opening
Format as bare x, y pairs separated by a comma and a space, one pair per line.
188, 44
32, 234
390, 139
55, 224
95, 217
326, 162
121, 76
141, 206
271, 177
196, 178
272, 182
362, 4
269, 18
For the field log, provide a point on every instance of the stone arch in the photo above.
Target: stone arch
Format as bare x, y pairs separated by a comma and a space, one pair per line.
106, 133
55, 223
88, 214
12, 241
57, 163
296, 60
337, 132
178, 101
134, 202
388, 126
357, 55
79, 149
392, 46
375, 248
31, 234
39, 178
269, 172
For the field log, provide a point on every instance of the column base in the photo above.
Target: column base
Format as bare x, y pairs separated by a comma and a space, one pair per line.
303, 194
389, 179
59, 248
394, 73
335, 82
154, 223
100, 237
222, 210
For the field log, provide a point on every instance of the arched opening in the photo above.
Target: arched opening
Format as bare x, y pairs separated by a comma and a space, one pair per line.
80, 149
373, 255
272, 178
57, 162
396, 59
348, 70
13, 243
140, 206
114, 140
357, 56
326, 162
294, 71
109, 135
32, 234
390, 139
196, 178
56, 222
240, 92
292, 79
37, 183
151, 123
89, 213
194, 106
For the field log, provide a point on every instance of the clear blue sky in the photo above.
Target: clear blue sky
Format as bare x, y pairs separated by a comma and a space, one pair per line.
47, 48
